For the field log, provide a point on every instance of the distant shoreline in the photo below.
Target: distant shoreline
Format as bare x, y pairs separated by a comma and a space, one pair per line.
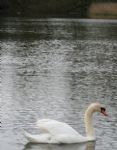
103, 11
45, 8
59, 9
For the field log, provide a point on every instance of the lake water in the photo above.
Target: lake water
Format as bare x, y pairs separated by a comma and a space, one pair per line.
54, 68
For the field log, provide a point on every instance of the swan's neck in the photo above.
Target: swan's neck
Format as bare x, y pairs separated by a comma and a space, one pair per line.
88, 123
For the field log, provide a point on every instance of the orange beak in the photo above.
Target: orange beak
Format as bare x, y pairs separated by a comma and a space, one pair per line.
104, 113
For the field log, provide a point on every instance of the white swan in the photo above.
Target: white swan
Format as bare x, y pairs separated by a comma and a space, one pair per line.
59, 132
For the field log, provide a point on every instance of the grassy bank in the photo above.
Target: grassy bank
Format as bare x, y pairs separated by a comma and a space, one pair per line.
103, 10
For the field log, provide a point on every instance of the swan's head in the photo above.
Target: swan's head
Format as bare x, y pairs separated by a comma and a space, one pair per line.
97, 107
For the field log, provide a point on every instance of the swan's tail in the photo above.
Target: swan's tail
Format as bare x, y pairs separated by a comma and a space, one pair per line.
42, 138
29, 136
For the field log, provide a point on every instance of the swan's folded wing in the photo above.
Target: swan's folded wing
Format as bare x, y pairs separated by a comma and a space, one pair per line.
56, 128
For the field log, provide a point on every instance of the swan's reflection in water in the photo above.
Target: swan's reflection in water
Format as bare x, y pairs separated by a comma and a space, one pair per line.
84, 146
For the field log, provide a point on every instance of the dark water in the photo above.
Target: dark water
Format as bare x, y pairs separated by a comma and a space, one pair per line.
54, 68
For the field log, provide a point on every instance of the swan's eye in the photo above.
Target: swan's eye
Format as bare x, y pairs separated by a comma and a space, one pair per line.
103, 109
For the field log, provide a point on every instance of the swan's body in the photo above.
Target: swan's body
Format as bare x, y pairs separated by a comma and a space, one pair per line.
59, 132
56, 132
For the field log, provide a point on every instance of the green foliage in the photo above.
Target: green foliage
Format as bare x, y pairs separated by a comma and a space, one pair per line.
37, 8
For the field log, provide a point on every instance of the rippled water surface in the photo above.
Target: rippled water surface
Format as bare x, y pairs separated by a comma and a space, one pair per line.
54, 68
